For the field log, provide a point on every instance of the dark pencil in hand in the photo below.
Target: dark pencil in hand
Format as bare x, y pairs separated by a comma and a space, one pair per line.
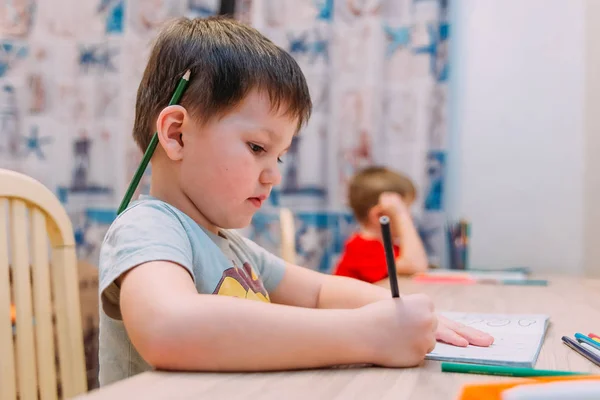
389, 254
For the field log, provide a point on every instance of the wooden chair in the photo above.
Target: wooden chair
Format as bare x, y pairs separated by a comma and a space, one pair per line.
37, 254
288, 235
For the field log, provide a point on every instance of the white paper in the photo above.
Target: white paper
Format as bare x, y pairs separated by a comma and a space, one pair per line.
517, 339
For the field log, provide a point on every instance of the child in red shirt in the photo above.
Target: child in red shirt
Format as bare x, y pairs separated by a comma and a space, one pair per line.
373, 192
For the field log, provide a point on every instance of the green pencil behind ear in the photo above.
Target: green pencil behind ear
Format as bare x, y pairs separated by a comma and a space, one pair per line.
152, 146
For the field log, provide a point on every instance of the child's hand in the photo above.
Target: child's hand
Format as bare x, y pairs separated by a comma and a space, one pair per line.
392, 205
402, 330
455, 333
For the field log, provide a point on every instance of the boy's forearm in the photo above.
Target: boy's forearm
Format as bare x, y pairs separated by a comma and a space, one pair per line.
413, 257
218, 333
342, 292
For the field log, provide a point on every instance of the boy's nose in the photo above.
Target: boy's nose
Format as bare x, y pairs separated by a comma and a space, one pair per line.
270, 176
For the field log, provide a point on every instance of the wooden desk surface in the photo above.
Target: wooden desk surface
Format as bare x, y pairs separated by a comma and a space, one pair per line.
573, 306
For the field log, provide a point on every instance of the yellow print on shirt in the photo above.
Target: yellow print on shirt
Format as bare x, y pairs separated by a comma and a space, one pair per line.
242, 283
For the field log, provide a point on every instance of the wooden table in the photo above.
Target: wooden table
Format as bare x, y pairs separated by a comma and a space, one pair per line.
573, 306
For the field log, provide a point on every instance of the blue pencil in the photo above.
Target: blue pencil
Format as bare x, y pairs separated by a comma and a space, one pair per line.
581, 350
585, 339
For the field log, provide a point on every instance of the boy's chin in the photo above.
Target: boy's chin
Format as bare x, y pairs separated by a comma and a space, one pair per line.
237, 223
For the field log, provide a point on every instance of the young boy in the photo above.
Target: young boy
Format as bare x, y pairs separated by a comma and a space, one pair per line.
373, 192
175, 280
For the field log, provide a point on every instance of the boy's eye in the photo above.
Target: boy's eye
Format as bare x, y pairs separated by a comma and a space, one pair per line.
256, 148
259, 149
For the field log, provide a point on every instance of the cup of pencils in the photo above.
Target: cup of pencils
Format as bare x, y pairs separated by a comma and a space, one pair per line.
458, 243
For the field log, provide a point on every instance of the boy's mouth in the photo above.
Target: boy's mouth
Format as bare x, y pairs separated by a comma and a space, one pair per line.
257, 201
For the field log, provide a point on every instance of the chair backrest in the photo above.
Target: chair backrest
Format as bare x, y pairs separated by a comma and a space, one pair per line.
288, 235
38, 274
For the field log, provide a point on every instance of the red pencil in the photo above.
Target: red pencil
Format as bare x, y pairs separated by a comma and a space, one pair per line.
594, 336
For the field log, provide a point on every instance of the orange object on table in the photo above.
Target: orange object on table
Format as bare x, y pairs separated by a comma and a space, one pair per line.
493, 391
13, 313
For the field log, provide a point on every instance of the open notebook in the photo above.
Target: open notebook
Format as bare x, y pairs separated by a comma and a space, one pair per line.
518, 339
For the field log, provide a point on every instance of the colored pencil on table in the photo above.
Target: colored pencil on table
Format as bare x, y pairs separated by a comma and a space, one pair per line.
585, 339
578, 348
502, 370
594, 336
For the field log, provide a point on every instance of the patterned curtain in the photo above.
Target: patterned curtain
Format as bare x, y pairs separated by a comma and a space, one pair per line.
377, 71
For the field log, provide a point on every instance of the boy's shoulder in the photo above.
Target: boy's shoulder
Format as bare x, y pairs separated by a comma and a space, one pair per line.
150, 205
149, 212
146, 224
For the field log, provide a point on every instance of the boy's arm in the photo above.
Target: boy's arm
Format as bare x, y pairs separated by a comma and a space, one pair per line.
413, 257
174, 327
306, 288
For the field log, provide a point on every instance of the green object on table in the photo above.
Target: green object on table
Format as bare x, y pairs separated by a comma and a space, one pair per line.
503, 370
525, 282
152, 146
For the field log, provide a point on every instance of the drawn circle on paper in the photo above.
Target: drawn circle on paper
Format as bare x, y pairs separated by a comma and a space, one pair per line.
498, 322
526, 322
471, 321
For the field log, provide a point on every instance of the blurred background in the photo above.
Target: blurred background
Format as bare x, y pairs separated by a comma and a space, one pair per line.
487, 105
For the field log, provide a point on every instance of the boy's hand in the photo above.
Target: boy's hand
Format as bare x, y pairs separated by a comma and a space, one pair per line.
406, 329
402, 330
392, 205
455, 333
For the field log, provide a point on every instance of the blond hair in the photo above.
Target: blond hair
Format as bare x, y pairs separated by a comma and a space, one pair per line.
368, 184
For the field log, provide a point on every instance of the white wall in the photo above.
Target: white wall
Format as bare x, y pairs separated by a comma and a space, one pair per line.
592, 140
517, 133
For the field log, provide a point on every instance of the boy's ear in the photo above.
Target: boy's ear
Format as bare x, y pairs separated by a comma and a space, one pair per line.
169, 127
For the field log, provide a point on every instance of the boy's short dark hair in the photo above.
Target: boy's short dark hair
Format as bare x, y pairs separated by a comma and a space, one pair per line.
368, 184
227, 59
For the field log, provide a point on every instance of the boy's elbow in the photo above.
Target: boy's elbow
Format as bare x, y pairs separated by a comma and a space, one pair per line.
409, 267
157, 351
155, 336
166, 342
421, 265
166, 351
155, 342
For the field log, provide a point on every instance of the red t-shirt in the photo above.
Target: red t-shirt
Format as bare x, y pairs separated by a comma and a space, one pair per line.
364, 259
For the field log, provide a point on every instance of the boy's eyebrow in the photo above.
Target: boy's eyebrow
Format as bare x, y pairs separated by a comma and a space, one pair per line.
270, 132
272, 135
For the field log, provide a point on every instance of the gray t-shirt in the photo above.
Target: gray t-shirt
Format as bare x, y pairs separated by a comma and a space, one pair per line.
152, 230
